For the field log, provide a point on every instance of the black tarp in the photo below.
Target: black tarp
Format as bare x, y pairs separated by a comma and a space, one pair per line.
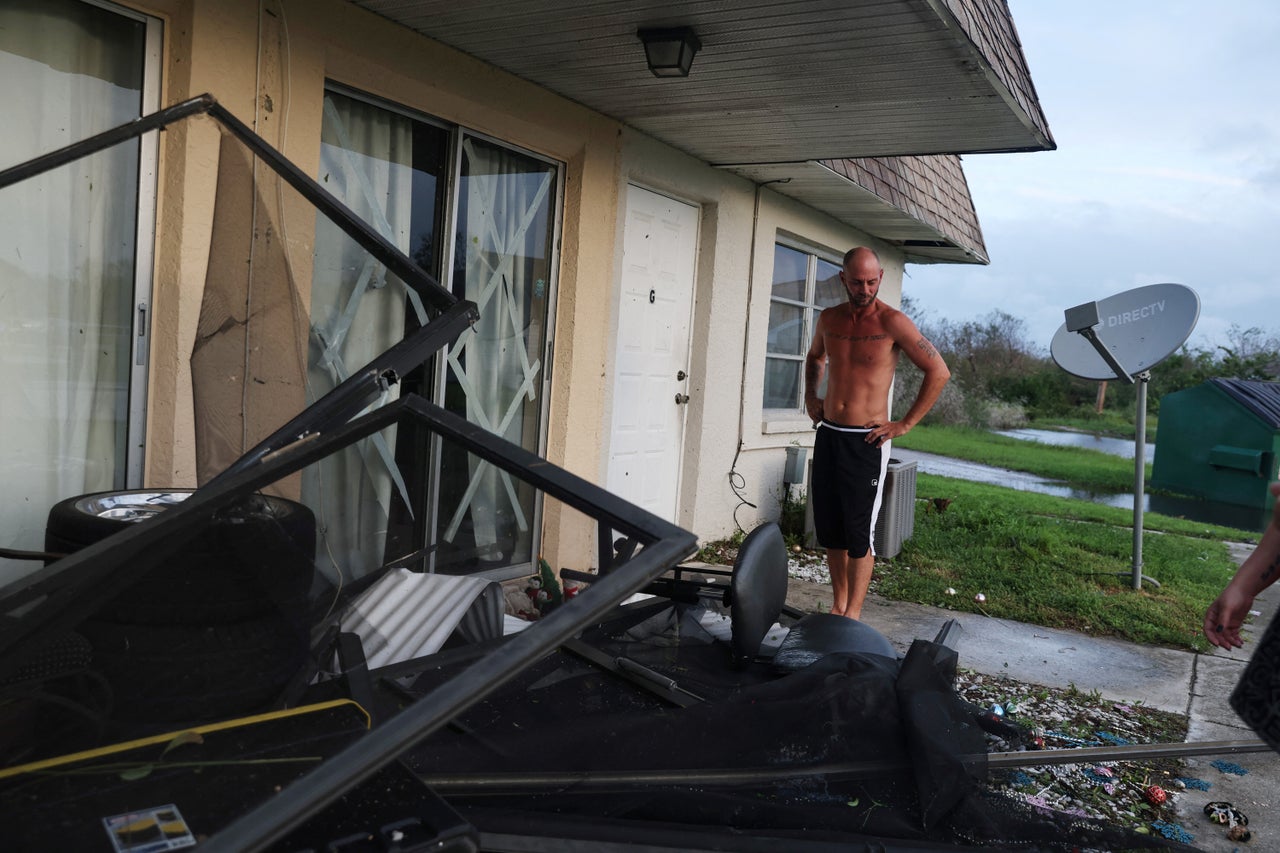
855, 748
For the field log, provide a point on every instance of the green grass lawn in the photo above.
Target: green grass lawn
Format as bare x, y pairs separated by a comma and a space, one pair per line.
1059, 562
1081, 467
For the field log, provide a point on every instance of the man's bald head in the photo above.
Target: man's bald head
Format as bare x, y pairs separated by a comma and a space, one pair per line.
861, 276
861, 253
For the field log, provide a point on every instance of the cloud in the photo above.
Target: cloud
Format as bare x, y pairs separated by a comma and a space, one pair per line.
1268, 176
1168, 168
1168, 174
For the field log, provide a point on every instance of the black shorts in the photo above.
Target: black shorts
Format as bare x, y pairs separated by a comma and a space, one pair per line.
847, 487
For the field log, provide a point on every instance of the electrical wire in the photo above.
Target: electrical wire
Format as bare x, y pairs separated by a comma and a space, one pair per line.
736, 481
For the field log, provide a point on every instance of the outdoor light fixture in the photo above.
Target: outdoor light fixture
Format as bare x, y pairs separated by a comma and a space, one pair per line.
670, 51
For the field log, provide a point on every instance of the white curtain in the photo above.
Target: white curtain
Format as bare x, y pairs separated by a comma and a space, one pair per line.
357, 312
67, 241
506, 243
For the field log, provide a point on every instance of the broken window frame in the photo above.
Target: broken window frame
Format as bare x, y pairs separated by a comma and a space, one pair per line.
59, 596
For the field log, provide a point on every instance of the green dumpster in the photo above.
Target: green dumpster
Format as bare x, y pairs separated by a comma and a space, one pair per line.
1220, 441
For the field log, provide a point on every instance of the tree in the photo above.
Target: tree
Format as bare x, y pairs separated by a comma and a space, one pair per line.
987, 352
1250, 354
993, 364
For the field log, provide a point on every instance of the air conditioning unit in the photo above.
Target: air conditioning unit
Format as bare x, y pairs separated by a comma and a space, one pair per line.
897, 520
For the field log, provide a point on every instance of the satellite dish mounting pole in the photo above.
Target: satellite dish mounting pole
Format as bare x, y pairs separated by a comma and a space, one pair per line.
1144, 326
1081, 319
1139, 479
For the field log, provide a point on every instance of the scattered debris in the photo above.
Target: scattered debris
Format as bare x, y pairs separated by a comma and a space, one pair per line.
1067, 719
1114, 740
1225, 814
1239, 833
544, 594
1228, 767
1192, 782
1172, 831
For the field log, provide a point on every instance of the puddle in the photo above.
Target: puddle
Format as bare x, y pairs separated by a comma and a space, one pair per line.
1244, 518
1115, 446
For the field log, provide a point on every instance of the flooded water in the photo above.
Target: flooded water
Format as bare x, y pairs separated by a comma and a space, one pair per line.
1115, 446
1229, 515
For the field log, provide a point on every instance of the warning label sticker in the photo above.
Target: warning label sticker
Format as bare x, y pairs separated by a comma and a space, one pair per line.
149, 830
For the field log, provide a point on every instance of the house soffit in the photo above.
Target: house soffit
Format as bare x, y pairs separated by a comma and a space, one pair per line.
776, 81
932, 221
780, 84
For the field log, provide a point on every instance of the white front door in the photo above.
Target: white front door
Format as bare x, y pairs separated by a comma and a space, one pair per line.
660, 248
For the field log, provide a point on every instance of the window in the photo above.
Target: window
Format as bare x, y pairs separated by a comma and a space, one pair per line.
504, 262
376, 500
803, 285
390, 169
76, 258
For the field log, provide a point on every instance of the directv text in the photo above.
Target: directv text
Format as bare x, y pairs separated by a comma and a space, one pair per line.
1143, 313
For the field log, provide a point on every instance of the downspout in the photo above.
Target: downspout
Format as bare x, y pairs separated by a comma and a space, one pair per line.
736, 483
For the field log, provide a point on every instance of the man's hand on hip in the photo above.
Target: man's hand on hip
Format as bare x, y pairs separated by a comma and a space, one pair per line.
880, 433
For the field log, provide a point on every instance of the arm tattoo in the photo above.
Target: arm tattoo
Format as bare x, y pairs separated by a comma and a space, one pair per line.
811, 371
927, 348
1269, 571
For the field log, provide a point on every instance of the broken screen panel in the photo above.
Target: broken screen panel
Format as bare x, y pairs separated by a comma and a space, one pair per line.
322, 614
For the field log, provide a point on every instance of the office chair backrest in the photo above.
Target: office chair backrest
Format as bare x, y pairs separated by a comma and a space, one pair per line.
758, 589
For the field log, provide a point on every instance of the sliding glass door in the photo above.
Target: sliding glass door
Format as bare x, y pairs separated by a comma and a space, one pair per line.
75, 258
389, 496
495, 375
390, 168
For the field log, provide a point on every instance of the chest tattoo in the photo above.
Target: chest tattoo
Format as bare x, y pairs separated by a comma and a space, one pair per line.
858, 338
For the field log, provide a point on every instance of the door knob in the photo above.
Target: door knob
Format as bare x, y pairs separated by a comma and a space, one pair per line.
682, 398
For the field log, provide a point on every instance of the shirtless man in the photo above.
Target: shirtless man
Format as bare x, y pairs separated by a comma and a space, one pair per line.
857, 345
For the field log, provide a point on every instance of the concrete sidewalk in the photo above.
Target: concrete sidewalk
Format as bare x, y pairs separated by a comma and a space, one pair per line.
1196, 685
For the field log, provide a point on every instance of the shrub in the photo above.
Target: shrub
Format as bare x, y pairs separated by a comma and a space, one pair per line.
1005, 415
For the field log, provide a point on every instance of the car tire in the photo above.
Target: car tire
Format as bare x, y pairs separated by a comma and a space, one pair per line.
176, 674
248, 561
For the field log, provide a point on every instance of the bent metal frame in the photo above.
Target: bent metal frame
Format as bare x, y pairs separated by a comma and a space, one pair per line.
62, 594
59, 596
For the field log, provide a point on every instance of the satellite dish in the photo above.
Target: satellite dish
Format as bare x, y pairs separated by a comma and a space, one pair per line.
1140, 328
1123, 337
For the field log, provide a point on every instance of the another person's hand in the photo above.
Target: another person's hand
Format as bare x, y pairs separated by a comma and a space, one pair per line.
1224, 617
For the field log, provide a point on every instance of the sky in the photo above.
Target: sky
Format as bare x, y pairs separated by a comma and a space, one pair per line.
1166, 114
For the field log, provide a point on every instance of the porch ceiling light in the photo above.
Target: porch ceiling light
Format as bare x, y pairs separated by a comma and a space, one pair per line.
670, 51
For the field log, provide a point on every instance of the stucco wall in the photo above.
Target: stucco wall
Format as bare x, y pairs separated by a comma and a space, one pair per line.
730, 325
268, 63
755, 458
